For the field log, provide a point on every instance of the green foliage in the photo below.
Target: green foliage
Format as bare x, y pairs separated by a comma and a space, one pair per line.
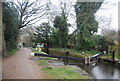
10, 21
86, 24
11, 52
62, 73
73, 52
60, 23
71, 40
101, 43
42, 62
54, 38
42, 33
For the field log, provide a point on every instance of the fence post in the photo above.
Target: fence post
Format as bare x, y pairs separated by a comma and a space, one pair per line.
86, 60
67, 54
113, 55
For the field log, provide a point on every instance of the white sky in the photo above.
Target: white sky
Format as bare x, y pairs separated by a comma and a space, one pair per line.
111, 12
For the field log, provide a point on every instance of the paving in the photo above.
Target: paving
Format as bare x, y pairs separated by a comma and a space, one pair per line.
20, 66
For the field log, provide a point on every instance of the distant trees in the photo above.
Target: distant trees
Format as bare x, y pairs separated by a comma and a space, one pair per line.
42, 33
109, 34
26, 35
100, 42
86, 23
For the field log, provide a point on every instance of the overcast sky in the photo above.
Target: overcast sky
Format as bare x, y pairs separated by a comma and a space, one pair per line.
108, 13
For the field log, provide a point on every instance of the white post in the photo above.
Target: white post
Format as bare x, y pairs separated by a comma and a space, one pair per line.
88, 60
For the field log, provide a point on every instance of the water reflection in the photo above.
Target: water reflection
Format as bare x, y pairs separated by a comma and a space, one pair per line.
100, 70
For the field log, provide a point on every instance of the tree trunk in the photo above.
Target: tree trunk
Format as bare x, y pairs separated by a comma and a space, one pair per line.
2, 40
0, 28
4, 52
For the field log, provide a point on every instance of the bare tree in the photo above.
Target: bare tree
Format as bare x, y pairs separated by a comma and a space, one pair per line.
30, 11
65, 8
109, 34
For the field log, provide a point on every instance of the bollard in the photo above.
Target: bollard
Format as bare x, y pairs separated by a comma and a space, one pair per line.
113, 55
86, 60
67, 54
58, 58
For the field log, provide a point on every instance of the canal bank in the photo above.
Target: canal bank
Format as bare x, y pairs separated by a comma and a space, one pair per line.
104, 69
57, 69
100, 70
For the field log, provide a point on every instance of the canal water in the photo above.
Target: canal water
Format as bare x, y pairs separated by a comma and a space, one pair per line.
101, 70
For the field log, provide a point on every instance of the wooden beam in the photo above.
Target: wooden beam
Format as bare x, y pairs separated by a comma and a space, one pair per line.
60, 57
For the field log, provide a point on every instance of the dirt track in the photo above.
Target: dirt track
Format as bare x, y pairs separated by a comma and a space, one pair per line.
20, 66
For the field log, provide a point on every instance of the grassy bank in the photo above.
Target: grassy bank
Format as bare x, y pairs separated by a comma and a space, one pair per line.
80, 54
76, 51
63, 72
11, 52
73, 53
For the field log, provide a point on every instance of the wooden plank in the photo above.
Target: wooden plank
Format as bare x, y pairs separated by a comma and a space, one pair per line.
96, 55
60, 57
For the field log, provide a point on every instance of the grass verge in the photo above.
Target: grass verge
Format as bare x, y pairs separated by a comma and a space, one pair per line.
76, 51
33, 50
63, 72
11, 52
80, 54
73, 53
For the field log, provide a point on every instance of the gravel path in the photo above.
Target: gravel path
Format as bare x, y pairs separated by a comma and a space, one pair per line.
20, 66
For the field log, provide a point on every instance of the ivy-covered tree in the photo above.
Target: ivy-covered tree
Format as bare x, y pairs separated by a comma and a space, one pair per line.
54, 37
10, 22
61, 25
86, 23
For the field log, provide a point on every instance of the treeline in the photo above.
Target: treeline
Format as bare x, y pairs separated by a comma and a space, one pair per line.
11, 25
84, 37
